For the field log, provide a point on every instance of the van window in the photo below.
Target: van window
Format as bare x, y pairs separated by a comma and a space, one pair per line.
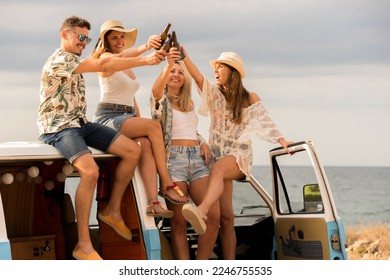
296, 186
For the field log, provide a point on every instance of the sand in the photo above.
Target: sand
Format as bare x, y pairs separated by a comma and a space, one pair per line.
368, 242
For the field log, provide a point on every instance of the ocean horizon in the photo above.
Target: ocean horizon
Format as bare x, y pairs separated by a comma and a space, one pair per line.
361, 193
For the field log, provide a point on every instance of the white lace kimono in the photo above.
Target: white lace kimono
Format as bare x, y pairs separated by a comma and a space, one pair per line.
227, 138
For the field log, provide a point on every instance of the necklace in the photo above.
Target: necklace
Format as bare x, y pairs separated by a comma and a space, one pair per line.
173, 96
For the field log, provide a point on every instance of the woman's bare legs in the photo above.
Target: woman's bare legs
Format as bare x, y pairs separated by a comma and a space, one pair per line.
130, 153
147, 167
207, 240
227, 233
225, 169
138, 127
220, 188
179, 243
148, 171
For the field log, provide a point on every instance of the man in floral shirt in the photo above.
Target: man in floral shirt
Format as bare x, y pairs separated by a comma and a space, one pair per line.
62, 122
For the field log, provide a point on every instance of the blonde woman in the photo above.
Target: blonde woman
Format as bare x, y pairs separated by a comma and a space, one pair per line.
187, 153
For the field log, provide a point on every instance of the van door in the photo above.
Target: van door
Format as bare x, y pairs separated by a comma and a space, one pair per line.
306, 222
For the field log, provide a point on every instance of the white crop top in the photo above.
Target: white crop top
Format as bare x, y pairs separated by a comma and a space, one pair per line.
184, 125
119, 88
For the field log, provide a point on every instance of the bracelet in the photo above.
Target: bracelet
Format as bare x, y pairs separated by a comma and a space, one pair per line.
146, 46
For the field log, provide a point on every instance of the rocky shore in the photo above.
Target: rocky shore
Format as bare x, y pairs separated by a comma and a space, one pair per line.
371, 242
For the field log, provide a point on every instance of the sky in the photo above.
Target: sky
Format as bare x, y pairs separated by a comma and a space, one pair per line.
322, 68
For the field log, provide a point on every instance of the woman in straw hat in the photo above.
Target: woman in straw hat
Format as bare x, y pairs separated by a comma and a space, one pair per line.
187, 153
118, 109
237, 116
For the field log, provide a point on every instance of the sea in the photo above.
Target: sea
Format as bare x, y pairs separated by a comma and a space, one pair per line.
361, 194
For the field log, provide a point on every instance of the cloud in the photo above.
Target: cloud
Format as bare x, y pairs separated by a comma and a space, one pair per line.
321, 67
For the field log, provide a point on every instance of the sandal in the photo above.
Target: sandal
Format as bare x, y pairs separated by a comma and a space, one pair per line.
163, 194
164, 213
195, 218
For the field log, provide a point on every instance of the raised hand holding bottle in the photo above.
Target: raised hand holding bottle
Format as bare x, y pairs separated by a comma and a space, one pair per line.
175, 43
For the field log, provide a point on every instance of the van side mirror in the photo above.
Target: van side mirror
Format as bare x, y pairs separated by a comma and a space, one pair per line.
312, 199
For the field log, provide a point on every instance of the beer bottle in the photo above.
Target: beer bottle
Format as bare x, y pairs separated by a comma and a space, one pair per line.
164, 35
167, 45
175, 43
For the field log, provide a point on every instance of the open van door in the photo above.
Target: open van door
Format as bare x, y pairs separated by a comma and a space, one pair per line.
306, 222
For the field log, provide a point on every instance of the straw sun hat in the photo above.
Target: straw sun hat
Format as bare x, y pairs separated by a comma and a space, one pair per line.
232, 59
116, 25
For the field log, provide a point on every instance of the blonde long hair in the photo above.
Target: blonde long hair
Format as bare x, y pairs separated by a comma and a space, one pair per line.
185, 98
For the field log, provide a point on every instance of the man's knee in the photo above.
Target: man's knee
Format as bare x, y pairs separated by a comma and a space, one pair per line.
92, 174
87, 168
126, 148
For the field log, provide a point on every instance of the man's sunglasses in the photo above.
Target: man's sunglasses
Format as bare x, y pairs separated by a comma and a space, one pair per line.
82, 37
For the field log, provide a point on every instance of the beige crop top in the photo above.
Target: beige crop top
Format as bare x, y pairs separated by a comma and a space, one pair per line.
184, 125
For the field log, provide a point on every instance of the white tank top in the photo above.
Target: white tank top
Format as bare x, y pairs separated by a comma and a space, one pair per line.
184, 125
119, 88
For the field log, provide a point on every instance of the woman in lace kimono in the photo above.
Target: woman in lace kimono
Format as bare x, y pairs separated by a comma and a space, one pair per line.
237, 115
187, 154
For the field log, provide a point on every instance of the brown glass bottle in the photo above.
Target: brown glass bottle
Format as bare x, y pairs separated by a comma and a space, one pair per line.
167, 45
175, 43
164, 35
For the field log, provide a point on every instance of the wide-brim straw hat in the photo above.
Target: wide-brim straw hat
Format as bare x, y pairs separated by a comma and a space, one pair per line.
116, 25
232, 59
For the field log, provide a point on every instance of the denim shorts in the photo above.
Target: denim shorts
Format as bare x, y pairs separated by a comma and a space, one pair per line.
186, 164
112, 118
73, 142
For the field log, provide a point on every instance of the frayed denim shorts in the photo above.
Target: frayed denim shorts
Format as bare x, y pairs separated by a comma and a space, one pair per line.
112, 118
186, 164
73, 142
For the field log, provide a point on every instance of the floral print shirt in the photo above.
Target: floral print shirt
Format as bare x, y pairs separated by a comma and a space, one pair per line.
228, 138
62, 94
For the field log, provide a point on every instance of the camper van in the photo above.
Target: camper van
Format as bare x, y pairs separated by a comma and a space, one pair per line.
295, 218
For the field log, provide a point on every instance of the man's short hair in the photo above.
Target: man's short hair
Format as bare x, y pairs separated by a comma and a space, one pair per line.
75, 21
